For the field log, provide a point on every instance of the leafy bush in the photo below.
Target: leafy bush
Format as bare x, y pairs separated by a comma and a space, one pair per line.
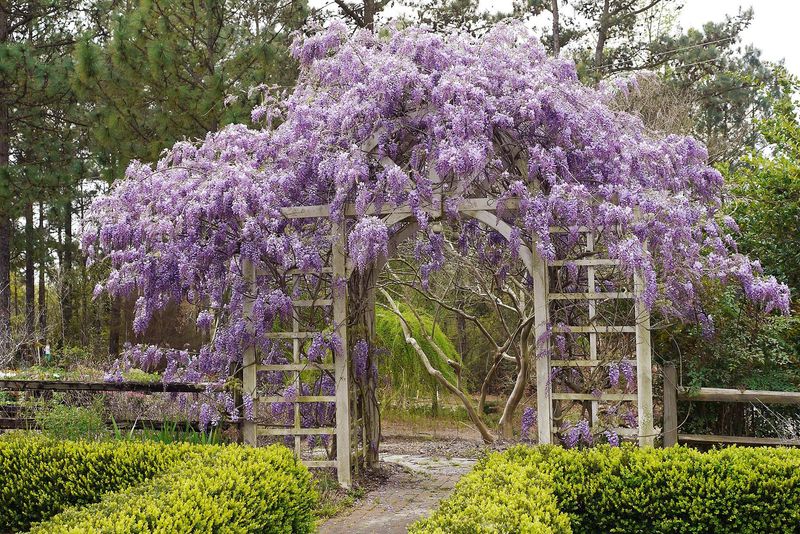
135, 487
40, 477
231, 489
60, 421
552, 490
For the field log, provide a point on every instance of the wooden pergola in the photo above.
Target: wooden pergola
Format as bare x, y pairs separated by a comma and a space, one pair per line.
340, 269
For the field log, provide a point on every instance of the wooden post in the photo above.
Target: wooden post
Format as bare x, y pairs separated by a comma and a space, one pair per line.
644, 366
341, 358
249, 368
670, 405
541, 344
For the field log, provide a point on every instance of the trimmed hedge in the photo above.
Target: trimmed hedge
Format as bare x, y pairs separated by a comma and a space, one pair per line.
232, 489
40, 477
151, 487
553, 490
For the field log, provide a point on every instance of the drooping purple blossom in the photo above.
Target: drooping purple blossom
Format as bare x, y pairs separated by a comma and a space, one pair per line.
181, 229
528, 420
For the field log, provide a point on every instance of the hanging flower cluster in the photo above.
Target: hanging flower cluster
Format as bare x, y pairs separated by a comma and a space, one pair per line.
421, 121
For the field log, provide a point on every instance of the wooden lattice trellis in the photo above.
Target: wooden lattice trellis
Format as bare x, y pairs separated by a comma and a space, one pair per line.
546, 295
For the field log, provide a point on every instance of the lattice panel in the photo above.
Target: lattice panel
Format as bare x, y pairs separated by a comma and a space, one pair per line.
600, 331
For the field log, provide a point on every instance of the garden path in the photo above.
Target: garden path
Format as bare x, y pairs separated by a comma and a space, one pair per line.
407, 496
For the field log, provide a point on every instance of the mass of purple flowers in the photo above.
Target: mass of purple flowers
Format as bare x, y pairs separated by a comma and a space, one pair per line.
452, 115
528, 420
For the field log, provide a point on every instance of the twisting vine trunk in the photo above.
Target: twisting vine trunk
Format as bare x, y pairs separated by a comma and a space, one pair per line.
361, 319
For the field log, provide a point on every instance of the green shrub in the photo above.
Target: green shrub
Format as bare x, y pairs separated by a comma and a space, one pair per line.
40, 477
231, 489
60, 421
549, 489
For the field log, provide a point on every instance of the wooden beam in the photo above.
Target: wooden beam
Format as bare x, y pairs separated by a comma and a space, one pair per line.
618, 397
737, 395
595, 329
711, 439
541, 346
249, 358
587, 363
308, 366
299, 399
670, 405
584, 262
341, 357
292, 431
599, 295
644, 366
73, 385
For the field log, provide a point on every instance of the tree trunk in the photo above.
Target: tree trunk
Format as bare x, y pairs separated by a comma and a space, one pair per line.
602, 35
5, 216
369, 14
507, 419
42, 286
556, 28
67, 271
361, 326
113, 327
30, 278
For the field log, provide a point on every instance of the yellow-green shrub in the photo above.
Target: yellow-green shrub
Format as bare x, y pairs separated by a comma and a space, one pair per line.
232, 489
626, 490
40, 477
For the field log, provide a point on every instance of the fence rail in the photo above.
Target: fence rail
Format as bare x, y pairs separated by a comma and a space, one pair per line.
11, 416
673, 393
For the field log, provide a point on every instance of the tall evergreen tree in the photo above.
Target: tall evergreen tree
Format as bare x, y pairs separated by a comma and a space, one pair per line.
36, 121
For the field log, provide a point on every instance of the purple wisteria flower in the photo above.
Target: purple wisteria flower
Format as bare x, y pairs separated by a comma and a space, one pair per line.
425, 123
528, 420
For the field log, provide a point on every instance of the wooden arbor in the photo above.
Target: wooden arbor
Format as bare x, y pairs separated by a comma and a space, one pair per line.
321, 298
550, 298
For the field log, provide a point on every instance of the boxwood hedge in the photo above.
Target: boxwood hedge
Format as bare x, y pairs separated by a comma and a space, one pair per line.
40, 477
151, 487
232, 489
552, 490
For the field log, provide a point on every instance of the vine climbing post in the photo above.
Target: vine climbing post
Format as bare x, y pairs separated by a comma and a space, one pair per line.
249, 367
341, 359
644, 366
541, 342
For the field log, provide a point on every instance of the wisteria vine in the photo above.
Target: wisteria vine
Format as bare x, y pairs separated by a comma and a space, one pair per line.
402, 117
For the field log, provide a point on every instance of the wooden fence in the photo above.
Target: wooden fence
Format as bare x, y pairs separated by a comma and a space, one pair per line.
12, 415
673, 393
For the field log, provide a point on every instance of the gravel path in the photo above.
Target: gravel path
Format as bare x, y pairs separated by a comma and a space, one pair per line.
413, 492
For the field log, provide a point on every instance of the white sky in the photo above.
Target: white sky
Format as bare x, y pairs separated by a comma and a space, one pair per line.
774, 28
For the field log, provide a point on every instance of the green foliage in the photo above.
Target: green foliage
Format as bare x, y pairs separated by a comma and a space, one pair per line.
152, 487
40, 477
59, 421
230, 489
625, 490
401, 363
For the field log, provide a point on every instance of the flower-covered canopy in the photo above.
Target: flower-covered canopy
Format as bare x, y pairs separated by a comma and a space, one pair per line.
395, 118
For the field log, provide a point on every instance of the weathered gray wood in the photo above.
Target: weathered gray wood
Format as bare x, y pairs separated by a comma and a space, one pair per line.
594, 262
297, 399
541, 344
598, 295
311, 464
592, 397
308, 366
670, 405
292, 431
711, 439
73, 385
249, 363
341, 356
597, 329
644, 367
587, 363
737, 395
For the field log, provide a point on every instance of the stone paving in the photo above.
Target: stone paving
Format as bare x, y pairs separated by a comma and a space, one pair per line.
407, 496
